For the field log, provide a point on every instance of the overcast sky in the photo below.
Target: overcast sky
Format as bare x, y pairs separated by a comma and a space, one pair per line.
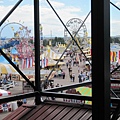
67, 9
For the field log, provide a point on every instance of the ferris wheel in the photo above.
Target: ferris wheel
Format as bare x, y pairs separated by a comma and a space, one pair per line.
14, 30
16, 35
80, 36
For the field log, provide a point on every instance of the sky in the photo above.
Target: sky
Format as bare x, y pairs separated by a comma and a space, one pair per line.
52, 27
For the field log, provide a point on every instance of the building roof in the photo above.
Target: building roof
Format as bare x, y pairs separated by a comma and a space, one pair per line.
50, 110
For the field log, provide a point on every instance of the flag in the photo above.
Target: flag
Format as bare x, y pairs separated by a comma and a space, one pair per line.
31, 62
23, 63
114, 53
119, 55
116, 56
111, 55
43, 63
27, 62
46, 62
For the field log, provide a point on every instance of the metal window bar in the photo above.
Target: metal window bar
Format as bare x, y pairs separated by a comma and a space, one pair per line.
18, 97
10, 12
37, 50
100, 59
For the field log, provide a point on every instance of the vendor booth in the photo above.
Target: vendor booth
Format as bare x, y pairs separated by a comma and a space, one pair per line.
31, 76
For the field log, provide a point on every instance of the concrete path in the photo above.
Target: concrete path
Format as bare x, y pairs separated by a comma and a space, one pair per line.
67, 80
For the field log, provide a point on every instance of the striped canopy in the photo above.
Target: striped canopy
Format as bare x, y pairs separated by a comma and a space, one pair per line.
6, 68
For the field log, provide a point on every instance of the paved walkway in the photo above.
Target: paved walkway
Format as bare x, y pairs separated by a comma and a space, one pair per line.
67, 80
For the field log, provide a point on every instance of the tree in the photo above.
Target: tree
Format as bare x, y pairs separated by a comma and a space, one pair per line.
53, 42
60, 40
45, 43
114, 40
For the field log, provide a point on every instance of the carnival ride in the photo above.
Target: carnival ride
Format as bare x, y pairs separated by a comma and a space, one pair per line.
18, 37
80, 36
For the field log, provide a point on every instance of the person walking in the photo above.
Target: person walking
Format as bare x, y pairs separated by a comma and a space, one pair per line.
79, 77
63, 73
67, 64
82, 76
73, 77
78, 68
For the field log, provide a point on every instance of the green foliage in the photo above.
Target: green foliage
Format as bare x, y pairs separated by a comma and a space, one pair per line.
58, 40
45, 43
54, 41
114, 39
30, 41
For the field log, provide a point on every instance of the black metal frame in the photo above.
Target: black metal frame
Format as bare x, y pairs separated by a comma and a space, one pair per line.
101, 80
18, 97
37, 50
101, 59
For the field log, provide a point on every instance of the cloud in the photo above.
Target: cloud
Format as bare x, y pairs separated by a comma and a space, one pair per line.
115, 25
118, 4
58, 4
50, 22
1, 1
22, 13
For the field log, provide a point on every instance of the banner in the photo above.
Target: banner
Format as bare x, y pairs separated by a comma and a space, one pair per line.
43, 63
46, 62
111, 55
23, 63
27, 63
31, 62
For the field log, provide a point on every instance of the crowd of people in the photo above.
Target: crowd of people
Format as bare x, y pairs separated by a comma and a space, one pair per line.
76, 59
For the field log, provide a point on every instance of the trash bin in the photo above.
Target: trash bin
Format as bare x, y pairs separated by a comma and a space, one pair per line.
14, 106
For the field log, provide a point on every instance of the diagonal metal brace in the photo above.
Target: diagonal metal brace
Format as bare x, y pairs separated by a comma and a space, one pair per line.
10, 12
116, 112
17, 69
